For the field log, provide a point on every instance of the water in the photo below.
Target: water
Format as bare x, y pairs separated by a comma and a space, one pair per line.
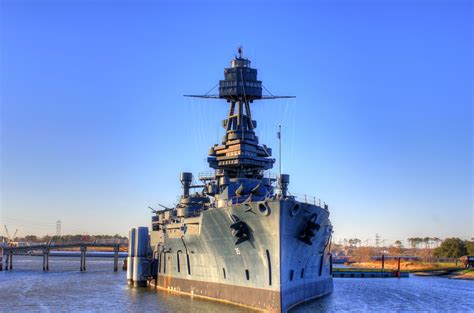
99, 289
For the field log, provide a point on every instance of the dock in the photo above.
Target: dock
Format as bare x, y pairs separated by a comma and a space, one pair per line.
45, 251
368, 274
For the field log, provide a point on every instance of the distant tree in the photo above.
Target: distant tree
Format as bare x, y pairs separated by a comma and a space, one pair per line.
398, 244
436, 240
31, 238
415, 242
46, 238
451, 248
469, 246
419, 241
427, 242
353, 242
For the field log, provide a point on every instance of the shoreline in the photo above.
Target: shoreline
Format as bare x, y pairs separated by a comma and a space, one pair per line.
466, 274
450, 271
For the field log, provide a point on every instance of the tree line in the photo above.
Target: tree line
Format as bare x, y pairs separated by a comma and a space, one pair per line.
454, 248
447, 248
66, 238
415, 242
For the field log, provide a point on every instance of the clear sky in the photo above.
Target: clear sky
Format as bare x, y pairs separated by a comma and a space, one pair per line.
94, 127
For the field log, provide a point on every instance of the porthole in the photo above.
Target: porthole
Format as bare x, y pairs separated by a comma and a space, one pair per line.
263, 208
295, 209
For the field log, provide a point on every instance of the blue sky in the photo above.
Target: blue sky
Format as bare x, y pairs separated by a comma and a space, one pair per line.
94, 127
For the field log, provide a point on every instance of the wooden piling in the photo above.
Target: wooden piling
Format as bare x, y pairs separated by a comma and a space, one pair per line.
398, 268
116, 250
85, 251
82, 260
383, 262
47, 260
11, 260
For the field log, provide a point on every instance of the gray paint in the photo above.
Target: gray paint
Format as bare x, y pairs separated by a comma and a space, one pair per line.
213, 249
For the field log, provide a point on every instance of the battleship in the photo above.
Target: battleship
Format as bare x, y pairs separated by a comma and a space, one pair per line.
238, 235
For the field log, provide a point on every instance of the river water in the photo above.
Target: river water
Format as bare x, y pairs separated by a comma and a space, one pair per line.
99, 289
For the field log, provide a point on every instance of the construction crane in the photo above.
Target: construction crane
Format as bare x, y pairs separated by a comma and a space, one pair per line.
9, 238
7, 232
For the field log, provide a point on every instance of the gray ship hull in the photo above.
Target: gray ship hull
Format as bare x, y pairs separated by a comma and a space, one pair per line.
273, 270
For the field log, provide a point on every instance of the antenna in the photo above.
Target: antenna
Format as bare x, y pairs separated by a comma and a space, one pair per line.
241, 51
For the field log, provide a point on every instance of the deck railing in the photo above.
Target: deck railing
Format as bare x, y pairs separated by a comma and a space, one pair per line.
309, 200
301, 198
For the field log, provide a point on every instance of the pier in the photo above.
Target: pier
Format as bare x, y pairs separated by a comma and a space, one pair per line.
354, 273
45, 251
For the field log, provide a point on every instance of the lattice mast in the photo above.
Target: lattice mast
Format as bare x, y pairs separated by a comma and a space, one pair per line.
240, 155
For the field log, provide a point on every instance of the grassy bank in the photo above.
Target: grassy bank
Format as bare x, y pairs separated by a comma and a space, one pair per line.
408, 266
463, 274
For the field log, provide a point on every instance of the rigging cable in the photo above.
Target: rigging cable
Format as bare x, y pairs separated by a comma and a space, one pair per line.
207, 93
267, 90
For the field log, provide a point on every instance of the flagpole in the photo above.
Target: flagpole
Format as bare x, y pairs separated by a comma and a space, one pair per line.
279, 156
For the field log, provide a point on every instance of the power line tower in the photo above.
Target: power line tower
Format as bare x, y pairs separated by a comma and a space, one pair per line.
377, 240
58, 228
